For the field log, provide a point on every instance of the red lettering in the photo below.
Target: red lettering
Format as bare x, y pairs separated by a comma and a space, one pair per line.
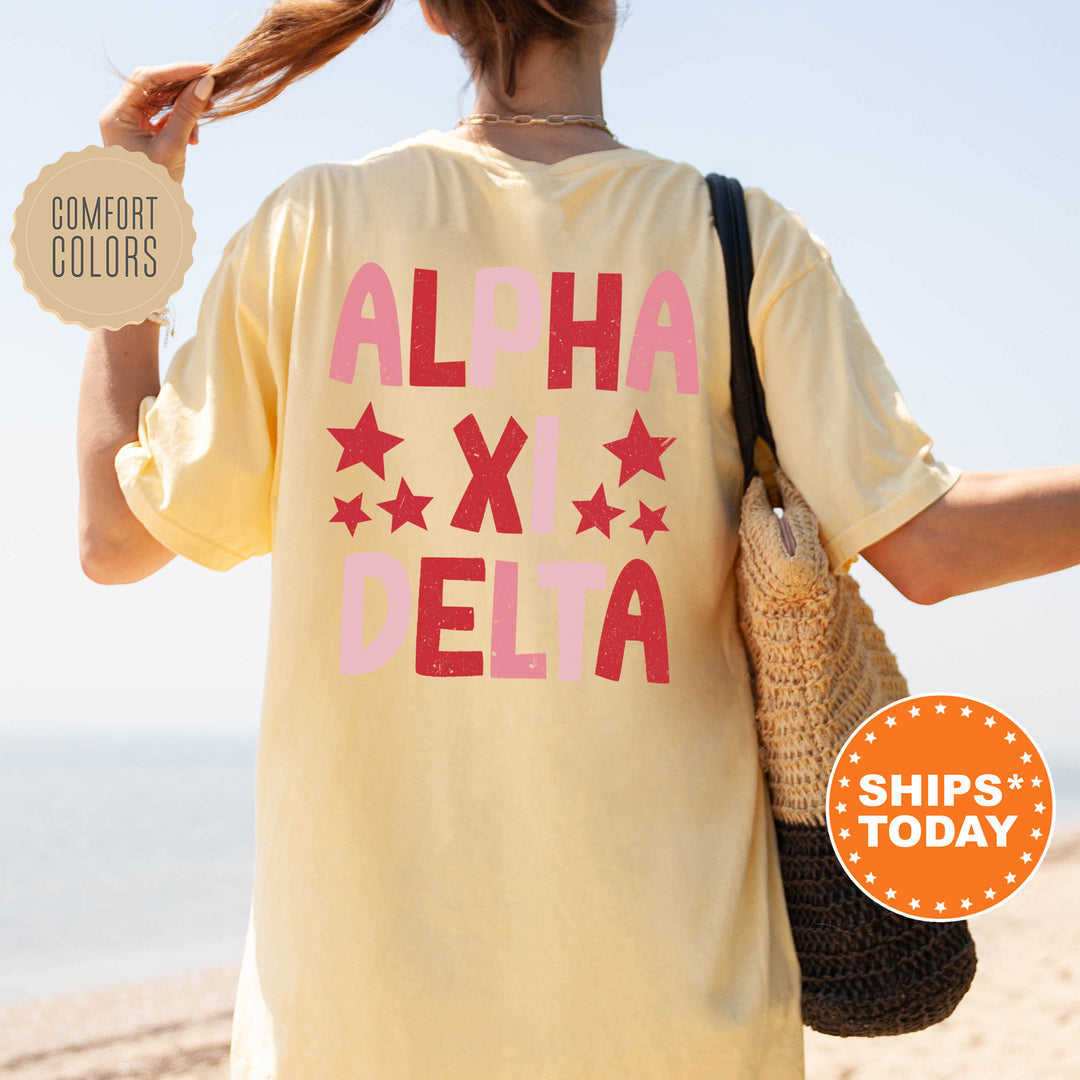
424, 370
432, 617
489, 483
601, 333
620, 626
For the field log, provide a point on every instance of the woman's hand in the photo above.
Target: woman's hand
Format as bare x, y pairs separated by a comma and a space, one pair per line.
122, 365
128, 121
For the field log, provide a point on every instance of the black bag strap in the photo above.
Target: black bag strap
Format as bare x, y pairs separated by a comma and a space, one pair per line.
747, 393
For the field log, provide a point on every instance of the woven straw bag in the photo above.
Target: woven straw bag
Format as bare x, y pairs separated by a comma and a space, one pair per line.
820, 667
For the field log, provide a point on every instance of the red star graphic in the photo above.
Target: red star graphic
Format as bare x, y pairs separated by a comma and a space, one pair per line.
650, 521
406, 507
365, 443
350, 512
639, 451
596, 513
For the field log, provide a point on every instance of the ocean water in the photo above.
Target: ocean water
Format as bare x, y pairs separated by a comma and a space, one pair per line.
122, 856
128, 856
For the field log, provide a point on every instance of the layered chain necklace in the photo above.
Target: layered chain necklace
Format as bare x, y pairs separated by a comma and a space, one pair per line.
555, 120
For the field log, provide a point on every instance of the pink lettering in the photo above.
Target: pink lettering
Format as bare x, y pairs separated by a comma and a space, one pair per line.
486, 336
545, 465
379, 329
677, 338
506, 661
356, 659
572, 580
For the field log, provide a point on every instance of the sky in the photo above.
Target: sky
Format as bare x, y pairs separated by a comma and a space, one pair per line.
931, 145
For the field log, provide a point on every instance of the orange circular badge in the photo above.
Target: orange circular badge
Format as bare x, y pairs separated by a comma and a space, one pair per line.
940, 807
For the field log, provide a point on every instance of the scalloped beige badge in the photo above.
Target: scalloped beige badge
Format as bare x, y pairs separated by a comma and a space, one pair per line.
103, 237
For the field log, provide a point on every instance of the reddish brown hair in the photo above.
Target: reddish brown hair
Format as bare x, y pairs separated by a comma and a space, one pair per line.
295, 37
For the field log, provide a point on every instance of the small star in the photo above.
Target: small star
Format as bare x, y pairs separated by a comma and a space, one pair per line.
870, 737
853, 758
1036, 781
649, 521
844, 781
913, 710
1026, 759
890, 894
1039, 807
1026, 857
1036, 834
1016, 781
854, 857
845, 833
596, 513
939, 906
639, 451
990, 721
1011, 737
891, 722
1010, 878
965, 903
365, 444
841, 807
990, 894
350, 513
406, 508
965, 711
939, 708
870, 879
913, 903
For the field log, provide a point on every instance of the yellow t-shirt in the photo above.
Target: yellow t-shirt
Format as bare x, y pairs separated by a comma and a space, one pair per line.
510, 823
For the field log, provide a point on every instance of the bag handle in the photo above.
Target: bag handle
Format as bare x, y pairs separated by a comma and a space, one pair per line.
747, 393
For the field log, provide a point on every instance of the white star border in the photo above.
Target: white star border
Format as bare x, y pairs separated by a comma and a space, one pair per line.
993, 895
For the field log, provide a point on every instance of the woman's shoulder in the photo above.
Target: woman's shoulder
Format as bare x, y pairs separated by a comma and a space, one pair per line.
312, 180
784, 248
373, 165
780, 237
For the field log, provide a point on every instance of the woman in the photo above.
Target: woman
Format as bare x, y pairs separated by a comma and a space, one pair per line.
509, 818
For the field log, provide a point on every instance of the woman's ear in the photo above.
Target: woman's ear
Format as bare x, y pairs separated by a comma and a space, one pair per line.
432, 19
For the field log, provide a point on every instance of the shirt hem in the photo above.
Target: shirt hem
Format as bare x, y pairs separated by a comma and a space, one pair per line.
175, 537
843, 549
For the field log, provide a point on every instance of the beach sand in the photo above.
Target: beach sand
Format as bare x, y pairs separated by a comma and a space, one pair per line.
1021, 1018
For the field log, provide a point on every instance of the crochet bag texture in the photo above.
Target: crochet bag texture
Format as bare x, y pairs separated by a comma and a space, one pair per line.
820, 667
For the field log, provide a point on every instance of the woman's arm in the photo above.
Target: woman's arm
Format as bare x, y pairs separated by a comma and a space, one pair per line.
989, 528
121, 366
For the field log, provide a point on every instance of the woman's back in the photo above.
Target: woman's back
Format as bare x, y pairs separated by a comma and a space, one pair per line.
510, 820
472, 394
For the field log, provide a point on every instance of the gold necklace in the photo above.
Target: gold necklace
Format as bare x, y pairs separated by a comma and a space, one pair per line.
555, 120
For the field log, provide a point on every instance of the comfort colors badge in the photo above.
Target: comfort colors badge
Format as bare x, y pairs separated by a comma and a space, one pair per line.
103, 237
940, 807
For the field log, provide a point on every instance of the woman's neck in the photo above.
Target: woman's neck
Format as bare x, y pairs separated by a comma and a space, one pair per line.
537, 142
549, 81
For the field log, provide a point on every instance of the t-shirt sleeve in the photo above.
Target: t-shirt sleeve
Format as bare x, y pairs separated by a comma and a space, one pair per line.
201, 475
844, 434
